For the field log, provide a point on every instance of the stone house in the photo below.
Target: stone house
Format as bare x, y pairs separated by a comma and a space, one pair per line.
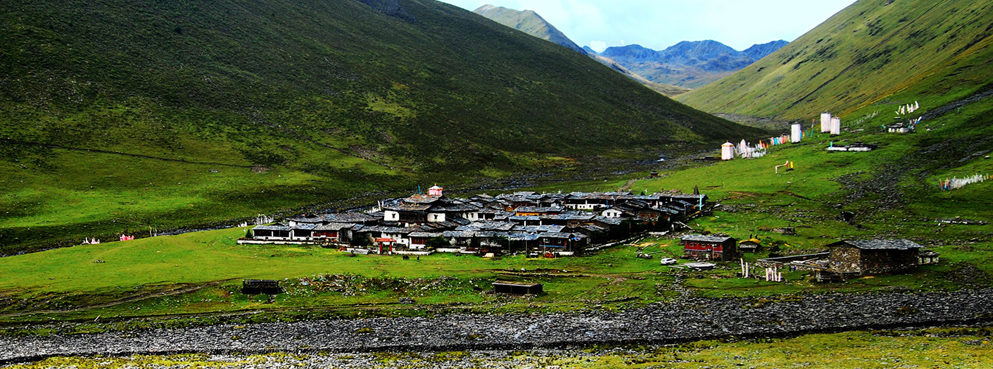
871, 257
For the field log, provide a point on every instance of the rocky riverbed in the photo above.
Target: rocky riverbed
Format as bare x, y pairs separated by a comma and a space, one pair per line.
687, 319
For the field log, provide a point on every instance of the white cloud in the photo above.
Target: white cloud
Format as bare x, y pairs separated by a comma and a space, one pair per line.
598, 46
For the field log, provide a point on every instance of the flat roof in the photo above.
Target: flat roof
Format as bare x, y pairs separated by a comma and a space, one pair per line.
518, 284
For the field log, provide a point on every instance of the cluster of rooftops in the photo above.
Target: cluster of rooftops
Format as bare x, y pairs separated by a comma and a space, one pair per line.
521, 221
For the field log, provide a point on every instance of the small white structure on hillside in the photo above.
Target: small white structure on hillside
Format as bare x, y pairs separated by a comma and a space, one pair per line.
825, 122
435, 191
835, 126
727, 151
796, 133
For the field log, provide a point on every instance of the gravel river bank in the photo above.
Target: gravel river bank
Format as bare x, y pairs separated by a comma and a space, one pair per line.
687, 319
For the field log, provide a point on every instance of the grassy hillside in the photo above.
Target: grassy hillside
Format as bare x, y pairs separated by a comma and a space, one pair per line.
118, 116
872, 54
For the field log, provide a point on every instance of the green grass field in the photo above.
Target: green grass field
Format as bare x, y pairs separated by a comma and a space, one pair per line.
202, 272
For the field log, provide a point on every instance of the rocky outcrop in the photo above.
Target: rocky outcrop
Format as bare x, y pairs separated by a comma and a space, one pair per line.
687, 319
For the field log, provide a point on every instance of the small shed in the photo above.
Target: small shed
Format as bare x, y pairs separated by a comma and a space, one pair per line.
900, 128
702, 247
750, 245
260, 286
518, 288
926, 257
870, 257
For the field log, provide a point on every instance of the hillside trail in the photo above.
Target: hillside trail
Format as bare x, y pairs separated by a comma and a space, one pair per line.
172, 292
627, 186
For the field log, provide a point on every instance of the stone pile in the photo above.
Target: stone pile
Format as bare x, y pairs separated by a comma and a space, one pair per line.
688, 319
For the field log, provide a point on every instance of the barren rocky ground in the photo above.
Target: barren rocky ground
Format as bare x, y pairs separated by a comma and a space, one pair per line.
687, 319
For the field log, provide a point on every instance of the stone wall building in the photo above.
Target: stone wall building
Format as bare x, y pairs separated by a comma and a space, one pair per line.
871, 257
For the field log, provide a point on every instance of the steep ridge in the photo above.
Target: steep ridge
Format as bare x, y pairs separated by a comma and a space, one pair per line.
528, 22
323, 99
866, 54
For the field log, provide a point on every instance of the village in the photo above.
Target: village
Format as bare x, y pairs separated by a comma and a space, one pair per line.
539, 224
550, 225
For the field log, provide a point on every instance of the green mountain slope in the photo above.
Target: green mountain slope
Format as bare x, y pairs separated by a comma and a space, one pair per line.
122, 117
873, 52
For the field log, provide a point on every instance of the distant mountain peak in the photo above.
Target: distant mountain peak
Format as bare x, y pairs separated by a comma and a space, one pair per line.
759, 51
527, 21
688, 63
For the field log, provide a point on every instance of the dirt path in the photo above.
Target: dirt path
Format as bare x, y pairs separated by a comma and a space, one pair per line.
627, 186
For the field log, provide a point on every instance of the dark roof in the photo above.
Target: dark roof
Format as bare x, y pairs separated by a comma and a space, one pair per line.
689, 197
610, 221
422, 199
416, 207
438, 226
426, 234
539, 229
307, 219
593, 228
487, 225
571, 216
518, 284
334, 226
538, 209
460, 234
702, 238
276, 227
522, 237
350, 217
383, 229
891, 244
561, 235
525, 218
455, 207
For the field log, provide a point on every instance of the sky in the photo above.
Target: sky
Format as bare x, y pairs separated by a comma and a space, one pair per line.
658, 24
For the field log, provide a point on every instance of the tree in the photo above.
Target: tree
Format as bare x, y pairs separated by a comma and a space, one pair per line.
360, 241
436, 242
